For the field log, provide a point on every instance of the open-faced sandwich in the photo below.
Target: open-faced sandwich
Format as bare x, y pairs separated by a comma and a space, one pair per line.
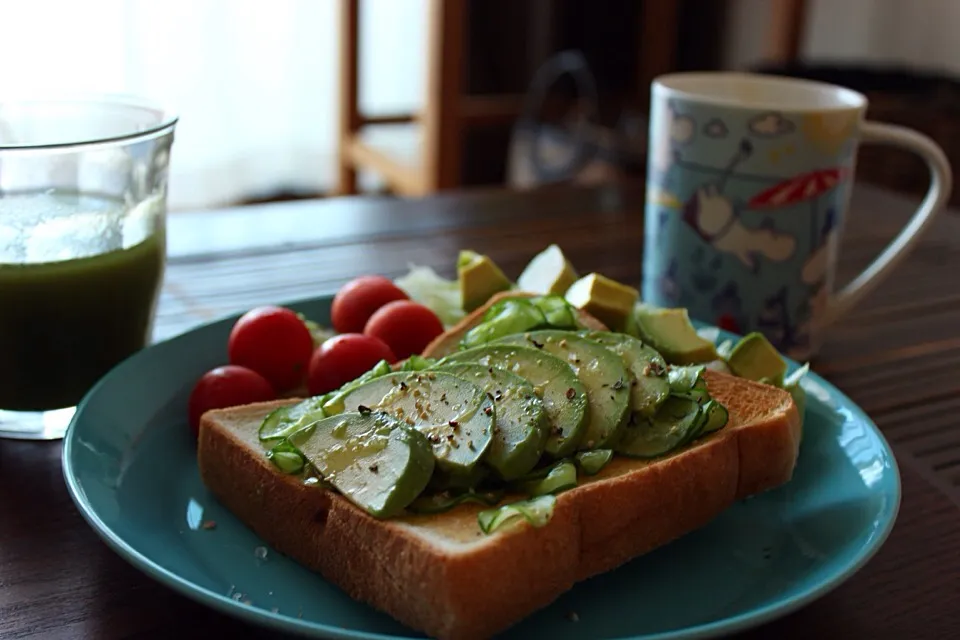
554, 431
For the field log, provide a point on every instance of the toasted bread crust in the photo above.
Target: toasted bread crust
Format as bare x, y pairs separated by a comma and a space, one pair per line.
441, 575
446, 343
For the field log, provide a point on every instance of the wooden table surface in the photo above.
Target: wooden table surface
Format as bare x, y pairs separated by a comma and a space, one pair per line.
897, 355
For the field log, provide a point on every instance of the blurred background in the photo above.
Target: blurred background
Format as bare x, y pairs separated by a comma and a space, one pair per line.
310, 98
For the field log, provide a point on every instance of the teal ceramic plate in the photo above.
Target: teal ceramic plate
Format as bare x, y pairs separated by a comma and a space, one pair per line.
129, 463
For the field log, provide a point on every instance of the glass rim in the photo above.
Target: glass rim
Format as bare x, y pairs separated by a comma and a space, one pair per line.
166, 117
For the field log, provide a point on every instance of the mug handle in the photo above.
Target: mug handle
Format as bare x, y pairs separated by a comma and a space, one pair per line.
941, 183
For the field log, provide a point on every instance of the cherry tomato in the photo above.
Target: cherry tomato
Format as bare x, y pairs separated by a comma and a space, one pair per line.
343, 358
406, 327
728, 323
226, 386
275, 343
357, 300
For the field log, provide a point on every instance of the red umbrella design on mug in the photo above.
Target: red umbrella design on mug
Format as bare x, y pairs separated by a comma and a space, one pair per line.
807, 186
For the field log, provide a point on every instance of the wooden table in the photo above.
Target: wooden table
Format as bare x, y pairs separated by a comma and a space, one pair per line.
897, 355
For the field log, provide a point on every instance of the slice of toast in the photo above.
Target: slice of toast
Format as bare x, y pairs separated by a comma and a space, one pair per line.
446, 343
441, 575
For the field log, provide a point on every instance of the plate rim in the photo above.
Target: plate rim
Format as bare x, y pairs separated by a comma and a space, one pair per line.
290, 624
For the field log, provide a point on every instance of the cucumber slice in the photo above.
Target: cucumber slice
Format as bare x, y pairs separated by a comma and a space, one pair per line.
564, 396
537, 511
284, 421
511, 315
441, 502
376, 462
688, 382
287, 458
649, 387
455, 415
678, 420
334, 403
592, 462
717, 416
560, 477
602, 373
520, 428
559, 313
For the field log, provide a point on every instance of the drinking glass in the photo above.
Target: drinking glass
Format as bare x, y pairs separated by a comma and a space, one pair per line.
83, 185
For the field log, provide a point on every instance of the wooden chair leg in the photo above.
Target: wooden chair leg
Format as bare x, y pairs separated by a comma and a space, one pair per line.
785, 35
350, 121
441, 118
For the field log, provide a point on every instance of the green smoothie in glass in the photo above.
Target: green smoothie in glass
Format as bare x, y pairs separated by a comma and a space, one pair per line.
83, 185
78, 286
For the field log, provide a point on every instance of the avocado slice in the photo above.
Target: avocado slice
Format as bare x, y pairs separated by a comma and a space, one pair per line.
670, 332
554, 381
376, 462
480, 278
520, 428
548, 273
455, 415
649, 387
602, 373
755, 358
607, 300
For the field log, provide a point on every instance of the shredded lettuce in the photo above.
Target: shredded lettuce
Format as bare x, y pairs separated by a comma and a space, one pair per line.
442, 296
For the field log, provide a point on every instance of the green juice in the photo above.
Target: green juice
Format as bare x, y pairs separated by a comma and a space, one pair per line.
79, 281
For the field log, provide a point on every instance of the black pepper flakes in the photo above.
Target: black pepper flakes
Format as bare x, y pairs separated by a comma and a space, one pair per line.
538, 345
363, 409
488, 410
374, 468
571, 393
403, 385
454, 424
618, 384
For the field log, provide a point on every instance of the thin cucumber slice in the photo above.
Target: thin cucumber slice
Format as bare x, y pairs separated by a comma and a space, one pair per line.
441, 502
284, 421
688, 381
592, 462
562, 476
376, 462
677, 420
536, 511
564, 396
520, 428
649, 387
717, 416
417, 363
334, 403
454, 414
559, 313
511, 315
602, 373
287, 458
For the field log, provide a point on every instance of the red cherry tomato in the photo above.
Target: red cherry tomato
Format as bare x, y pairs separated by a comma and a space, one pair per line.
344, 358
226, 386
357, 300
275, 343
728, 323
405, 326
